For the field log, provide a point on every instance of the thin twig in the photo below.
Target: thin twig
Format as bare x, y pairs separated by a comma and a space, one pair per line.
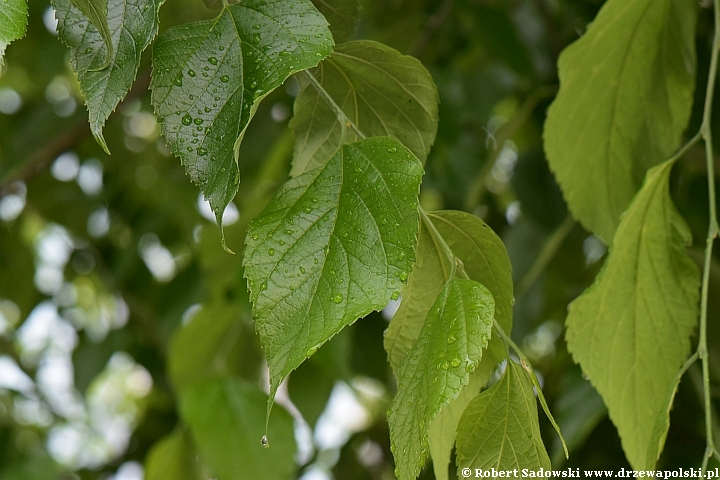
706, 132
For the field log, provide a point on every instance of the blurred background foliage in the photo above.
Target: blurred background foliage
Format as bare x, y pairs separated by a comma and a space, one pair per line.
105, 259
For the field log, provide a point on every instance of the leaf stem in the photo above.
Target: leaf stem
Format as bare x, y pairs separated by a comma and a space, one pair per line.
706, 132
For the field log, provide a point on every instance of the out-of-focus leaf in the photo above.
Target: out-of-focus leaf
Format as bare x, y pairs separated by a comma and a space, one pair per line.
173, 458
227, 420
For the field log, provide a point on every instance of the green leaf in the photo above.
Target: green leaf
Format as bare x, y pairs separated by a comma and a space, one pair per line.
437, 367
631, 330
203, 347
383, 92
97, 12
443, 429
208, 78
13, 23
333, 245
626, 90
342, 15
485, 260
499, 429
226, 417
106, 60
173, 458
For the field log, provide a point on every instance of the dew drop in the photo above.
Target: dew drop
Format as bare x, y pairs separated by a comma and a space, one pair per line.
338, 298
255, 236
191, 73
302, 270
271, 252
198, 121
451, 338
403, 276
395, 295
213, 60
401, 255
256, 26
307, 209
202, 151
455, 362
224, 79
187, 119
281, 242
178, 80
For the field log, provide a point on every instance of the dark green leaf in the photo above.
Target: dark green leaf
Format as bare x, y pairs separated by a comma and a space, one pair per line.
208, 78
437, 367
499, 429
383, 92
106, 67
333, 245
226, 418
626, 90
631, 330
342, 15
13, 23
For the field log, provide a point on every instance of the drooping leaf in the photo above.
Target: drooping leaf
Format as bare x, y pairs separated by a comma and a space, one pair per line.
626, 90
437, 367
443, 429
208, 78
631, 330
333, 245
499, 429
203, 348
383, 92
13, 23
173, 458
97, 12
226, 418
485, 260
106, 67
342, 15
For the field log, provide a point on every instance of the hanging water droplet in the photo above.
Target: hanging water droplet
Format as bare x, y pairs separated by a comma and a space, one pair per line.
264, 442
